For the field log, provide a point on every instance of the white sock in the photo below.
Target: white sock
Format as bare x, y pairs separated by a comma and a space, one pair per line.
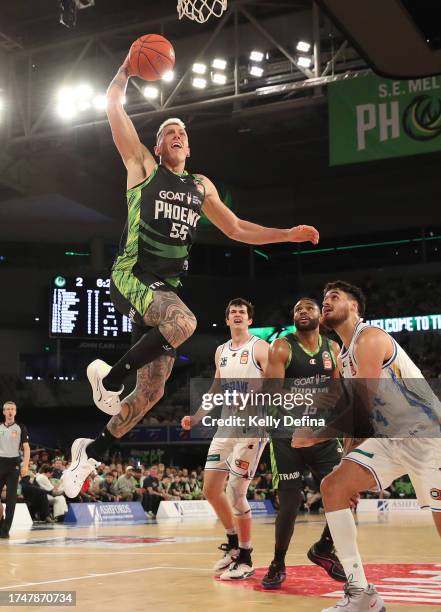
344, 533
246, 545
231, 531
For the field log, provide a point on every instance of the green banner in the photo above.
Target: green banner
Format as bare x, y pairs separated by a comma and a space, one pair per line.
375, 118
412, 323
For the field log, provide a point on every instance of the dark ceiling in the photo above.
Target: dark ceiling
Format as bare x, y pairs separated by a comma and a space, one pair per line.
276, 164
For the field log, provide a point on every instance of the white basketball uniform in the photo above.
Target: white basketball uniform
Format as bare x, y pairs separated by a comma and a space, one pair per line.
238, 455
406, 419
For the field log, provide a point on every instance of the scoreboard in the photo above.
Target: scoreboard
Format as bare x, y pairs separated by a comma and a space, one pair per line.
81, 308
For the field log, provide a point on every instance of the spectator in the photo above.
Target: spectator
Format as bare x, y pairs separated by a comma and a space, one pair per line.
54, 494
126, 485
194, 489
152, 492
36, 499
87, 493
58, 468
107, 491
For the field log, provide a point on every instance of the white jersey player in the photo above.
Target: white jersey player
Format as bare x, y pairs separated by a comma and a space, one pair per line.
406, 418
239, 367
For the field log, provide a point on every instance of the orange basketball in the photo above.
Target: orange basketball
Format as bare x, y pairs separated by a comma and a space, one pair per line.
150, 56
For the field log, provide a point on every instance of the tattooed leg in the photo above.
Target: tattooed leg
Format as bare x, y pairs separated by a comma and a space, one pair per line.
171, 316
148, 391
172, 324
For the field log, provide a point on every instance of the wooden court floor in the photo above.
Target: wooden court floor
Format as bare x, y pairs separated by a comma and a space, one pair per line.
167, 566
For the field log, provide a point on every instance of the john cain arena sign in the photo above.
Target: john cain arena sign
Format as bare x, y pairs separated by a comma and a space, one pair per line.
375, 118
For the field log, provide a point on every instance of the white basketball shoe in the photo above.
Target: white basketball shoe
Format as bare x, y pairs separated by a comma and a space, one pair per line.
107, 401
81, 466
359, 600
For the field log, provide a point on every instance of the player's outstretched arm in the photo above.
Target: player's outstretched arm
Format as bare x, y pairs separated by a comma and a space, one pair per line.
136, 157
187, 422
244, 231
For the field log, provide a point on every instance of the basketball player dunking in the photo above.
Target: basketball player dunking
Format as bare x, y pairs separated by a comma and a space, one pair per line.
406, 418
243, 360
165, 204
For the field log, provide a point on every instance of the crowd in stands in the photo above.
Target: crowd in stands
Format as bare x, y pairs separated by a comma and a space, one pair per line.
117, 481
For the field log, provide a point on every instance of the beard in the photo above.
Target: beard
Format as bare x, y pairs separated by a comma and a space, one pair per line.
334, 319
310, 326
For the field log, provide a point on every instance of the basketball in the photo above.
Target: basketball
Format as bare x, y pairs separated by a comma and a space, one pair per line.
151, 56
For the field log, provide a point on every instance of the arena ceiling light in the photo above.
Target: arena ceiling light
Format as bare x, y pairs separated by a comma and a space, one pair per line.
100, 102
219, 64
83, 105
66, 110
83, 91
199, 68
150, 92
256, 56
219, 78
304, 62
256, 71
303, 46
199, 83
168, 76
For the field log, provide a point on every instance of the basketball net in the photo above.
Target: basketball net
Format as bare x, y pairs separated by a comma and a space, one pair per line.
201, 10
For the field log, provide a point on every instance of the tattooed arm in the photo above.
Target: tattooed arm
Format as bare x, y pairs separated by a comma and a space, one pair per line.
136, 157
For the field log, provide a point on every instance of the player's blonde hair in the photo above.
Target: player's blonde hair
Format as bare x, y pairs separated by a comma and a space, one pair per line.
164, 124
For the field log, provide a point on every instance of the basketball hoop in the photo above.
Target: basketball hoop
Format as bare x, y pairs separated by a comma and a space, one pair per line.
201, 10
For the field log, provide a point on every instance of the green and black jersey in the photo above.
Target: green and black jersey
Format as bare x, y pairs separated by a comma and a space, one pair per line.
163, 213
306, 370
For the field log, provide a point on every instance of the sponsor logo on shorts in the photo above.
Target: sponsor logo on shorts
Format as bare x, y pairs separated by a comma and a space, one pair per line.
435, 494
312, 361
215, 457
327, 361
132, 313
243, 465
223, 362
290, 476
244, 357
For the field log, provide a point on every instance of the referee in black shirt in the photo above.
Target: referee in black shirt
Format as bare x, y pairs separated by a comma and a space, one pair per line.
12, 437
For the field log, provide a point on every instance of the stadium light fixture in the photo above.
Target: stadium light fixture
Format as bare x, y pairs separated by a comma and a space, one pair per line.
66, 110
303, 46
65, 94
219, 64
100, 102
304, 62
256, 71
199, 83
84, 105
256, 56
168, 76
199, 68
219, 78
150, 92
83, 92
